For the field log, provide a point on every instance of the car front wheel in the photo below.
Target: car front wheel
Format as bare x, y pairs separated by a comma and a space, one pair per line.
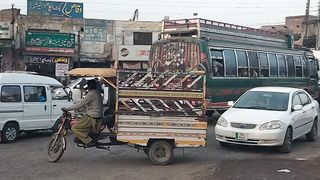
287, 143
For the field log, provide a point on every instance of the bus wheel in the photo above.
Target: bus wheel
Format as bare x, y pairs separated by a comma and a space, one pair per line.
161, 153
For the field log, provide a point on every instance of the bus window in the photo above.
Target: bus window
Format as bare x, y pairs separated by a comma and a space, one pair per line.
217, 63
282, 66
298, 66
304, 66
313, 71
254, 64
264, 65
231, 63
291, 69
243, 70
273, 65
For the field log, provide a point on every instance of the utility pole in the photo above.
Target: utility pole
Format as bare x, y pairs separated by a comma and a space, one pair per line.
13, 45
79, 47
306, 21
318, 28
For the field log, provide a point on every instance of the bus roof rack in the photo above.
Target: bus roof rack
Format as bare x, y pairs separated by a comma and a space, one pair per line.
194, 22
181, 33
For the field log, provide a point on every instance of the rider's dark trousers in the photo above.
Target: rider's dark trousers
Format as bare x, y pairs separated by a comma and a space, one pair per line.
82, 128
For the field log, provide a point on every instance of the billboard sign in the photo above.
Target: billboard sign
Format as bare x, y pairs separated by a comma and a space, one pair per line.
134, 52
50, 42
46, 59
55, 8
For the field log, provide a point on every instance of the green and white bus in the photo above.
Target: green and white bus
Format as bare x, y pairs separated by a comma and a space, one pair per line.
235, 58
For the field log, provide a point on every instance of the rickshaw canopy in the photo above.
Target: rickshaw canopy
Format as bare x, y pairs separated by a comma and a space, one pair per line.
93, 72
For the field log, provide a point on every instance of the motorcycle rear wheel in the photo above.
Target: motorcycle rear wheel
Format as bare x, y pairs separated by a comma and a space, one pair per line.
56, 148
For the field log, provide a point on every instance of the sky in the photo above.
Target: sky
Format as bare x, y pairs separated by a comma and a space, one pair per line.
252, 13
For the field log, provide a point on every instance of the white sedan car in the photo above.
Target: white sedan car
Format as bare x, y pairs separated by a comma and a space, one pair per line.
269, 116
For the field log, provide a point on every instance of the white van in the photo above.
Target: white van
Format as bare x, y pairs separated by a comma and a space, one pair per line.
28, 103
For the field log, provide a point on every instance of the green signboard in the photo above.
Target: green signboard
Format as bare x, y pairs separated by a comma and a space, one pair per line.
50, 42
6, 43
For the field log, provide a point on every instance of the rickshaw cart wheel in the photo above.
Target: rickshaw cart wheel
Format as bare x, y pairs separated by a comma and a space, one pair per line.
161, 153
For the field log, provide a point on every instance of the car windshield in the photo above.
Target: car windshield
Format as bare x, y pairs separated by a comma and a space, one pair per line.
59, 93
276, 101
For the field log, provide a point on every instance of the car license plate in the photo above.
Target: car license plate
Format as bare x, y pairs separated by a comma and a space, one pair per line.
240, 136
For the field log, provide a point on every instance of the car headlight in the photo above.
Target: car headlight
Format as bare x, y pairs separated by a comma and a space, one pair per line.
271, 125
222, 122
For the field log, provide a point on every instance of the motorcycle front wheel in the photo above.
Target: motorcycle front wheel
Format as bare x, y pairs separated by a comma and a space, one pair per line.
56, 148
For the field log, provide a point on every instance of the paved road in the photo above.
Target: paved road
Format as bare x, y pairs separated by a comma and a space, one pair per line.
26, 159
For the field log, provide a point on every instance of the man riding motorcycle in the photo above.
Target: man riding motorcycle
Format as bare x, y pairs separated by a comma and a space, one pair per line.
91, 121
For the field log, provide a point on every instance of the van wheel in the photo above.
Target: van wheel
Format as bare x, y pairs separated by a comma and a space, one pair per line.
10, 132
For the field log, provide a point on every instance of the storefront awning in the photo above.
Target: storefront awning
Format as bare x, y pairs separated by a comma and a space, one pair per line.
93, 72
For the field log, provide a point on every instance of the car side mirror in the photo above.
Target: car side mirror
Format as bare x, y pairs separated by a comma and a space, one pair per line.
297, 107
230, 103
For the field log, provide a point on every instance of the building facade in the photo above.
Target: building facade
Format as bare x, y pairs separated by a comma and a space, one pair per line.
296, 26
8, 37
133, 41
51, 45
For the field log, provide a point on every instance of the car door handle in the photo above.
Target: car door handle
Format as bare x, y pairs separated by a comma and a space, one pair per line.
313, 107
45, 107
303, 111
54, 105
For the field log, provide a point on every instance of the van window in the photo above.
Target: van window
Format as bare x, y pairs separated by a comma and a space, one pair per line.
10, 94
34, 94
58, 93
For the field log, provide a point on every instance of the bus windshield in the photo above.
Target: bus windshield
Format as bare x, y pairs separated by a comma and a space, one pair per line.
174, 56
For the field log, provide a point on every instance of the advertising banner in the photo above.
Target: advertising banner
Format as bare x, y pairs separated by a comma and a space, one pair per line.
55, 8
134, 52
50, 42
45, 59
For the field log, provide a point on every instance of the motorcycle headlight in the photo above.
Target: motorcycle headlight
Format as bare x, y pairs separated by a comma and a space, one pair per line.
222, 122
271, 125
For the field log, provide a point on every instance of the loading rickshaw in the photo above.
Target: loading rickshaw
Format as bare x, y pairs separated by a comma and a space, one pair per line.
152, 111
